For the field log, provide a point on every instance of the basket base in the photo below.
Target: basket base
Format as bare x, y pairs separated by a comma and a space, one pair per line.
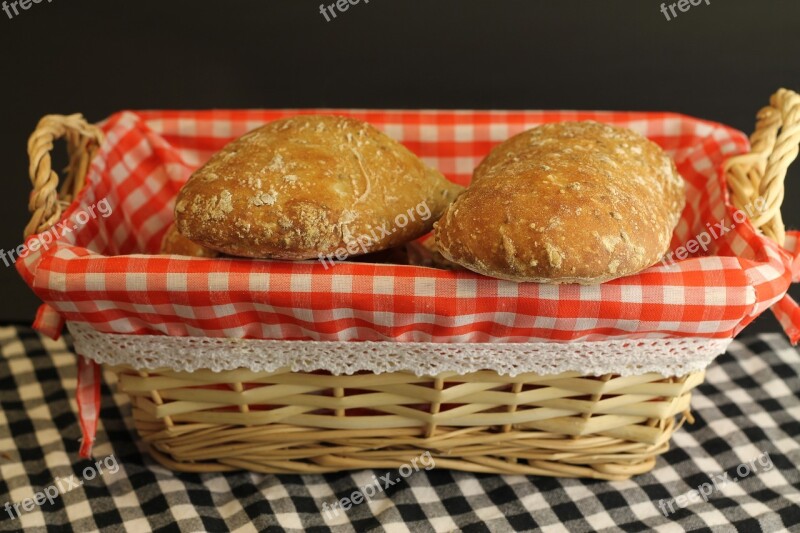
550, 464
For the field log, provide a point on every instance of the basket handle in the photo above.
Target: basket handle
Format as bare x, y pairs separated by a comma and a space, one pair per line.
762, 172
46, 202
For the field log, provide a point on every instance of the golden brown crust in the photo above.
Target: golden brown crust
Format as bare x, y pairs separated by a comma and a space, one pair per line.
566, 203
306, 186
173, 243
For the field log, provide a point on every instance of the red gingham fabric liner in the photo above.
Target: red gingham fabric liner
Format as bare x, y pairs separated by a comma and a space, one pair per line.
48, 322
87, 395
100, 273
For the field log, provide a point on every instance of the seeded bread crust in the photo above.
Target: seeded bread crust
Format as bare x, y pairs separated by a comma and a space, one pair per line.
310, 185
570, 202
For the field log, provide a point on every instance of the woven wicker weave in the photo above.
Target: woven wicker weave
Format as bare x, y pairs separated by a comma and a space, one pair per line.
564, 425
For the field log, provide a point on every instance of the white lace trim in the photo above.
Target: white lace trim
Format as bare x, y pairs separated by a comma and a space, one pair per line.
669, 357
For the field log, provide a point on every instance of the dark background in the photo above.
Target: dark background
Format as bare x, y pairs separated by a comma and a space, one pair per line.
720, 61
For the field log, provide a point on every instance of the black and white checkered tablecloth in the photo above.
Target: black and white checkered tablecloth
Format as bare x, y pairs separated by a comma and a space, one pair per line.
747, 413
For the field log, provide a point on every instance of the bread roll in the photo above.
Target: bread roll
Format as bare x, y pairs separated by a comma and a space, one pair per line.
173, 243
310, 186
572, 202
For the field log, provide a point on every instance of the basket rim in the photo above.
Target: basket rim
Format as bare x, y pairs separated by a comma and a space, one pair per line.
669, 357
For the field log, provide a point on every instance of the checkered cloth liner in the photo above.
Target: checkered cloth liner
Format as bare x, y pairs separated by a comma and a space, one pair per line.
97, 270
749, 405
88, 399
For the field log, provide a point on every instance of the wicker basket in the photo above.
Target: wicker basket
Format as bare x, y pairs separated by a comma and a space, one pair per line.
565, 425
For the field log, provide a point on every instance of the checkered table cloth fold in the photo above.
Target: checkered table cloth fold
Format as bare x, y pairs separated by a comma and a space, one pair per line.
747, 412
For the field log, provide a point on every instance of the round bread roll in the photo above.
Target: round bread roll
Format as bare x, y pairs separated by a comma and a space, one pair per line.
570, 202
173, 243
311, 186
